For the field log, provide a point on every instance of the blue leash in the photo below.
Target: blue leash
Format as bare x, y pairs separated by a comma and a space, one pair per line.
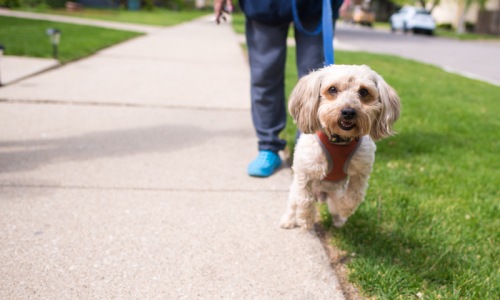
326, 26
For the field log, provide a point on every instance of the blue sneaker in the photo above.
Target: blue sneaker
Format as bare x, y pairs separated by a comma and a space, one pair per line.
265, 164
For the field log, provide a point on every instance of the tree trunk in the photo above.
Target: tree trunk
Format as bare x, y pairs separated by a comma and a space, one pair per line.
434, 4
463, 14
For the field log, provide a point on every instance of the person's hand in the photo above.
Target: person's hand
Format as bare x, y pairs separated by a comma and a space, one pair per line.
222, 7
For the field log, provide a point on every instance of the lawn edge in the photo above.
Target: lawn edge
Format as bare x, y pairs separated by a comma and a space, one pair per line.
338, 260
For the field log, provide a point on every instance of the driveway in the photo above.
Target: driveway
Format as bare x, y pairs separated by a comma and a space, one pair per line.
475, 59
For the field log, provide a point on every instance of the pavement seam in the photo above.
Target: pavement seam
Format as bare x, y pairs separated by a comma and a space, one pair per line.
113, 104
150, 58
137, 189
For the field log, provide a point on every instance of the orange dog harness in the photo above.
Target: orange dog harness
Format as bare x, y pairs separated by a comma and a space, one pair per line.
338, 156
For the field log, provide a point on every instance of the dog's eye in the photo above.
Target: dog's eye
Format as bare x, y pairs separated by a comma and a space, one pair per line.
363, 92
332, 90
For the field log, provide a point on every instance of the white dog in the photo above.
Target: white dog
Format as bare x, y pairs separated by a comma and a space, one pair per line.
341, 109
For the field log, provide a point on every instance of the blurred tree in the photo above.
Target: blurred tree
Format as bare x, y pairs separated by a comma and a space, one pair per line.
464, 5
10, 3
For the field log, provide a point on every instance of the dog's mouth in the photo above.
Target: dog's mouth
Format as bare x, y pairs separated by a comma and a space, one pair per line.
346, 125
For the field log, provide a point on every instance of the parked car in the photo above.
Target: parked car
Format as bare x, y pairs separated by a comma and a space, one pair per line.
413, 19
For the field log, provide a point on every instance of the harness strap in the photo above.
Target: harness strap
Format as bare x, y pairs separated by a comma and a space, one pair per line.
338, 156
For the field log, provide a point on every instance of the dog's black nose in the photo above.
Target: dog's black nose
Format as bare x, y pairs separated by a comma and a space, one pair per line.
348, 113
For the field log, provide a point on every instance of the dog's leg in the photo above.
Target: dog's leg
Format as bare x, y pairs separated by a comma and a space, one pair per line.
288, 219
344, 203
300, 207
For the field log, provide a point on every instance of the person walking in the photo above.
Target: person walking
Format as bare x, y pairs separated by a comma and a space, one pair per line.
266, 29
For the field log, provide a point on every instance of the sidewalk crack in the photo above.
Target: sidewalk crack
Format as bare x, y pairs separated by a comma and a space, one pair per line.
122, 104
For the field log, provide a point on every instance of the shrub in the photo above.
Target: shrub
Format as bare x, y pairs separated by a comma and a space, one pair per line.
10, 3
446, 26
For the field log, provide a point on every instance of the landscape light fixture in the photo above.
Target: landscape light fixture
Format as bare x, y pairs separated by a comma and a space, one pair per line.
55, 38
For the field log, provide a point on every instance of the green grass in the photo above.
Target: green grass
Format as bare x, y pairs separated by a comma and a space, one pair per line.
158, 17
23, 37
238, 23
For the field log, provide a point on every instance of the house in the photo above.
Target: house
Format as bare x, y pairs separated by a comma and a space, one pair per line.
450, 12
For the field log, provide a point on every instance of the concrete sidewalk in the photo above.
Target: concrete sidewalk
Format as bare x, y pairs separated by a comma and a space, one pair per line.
123, 176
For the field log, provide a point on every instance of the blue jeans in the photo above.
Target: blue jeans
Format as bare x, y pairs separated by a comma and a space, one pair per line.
267, 54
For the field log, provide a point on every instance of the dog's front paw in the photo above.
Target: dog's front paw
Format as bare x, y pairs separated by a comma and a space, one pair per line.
339, 221
305, 223
305, 216
287, 222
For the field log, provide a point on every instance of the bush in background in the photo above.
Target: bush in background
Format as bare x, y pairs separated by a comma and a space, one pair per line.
10, 3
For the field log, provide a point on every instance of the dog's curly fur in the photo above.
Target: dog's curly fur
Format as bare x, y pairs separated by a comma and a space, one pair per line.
318, 103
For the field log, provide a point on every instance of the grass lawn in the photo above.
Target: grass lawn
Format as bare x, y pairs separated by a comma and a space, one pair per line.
159, 17
238, 23
429, 224
24, 37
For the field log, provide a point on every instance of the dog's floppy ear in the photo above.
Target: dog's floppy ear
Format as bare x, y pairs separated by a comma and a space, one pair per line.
304, 102
390, 110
